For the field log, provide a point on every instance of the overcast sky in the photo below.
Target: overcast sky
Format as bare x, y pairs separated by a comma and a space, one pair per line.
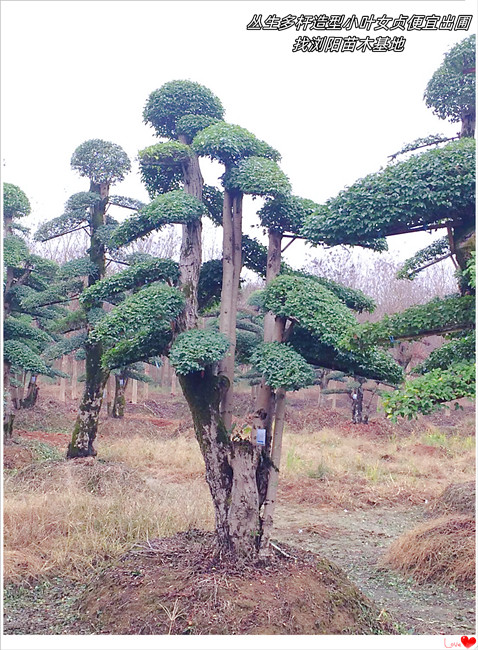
72, 71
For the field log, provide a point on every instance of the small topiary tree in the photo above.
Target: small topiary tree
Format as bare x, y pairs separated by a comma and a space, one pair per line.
451, 92
33, 287
103, 163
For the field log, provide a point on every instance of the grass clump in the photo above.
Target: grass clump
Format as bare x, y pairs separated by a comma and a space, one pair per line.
441, 551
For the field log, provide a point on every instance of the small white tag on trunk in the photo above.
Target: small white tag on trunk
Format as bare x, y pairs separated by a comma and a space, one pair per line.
261, 436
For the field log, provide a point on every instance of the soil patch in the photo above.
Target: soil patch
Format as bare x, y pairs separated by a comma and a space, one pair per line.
356, 541
179, 585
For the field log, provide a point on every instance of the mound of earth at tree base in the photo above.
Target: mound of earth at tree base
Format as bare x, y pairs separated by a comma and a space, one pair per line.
179, 585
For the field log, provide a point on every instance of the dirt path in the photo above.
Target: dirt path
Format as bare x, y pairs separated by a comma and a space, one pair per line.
356, 541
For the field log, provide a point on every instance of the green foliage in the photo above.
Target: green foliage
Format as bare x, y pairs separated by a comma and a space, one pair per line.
15, 202
352, 298
317, 230
435, 187
133, 277
82, 201
254, 255
190, 125
66, 223
229, 143
176, 99
66, 346
451, 90
213, 200
17, 328
173, 207
259, 176
311, 305
80, 267
427, 393
282, 366
440, 315
454, 351
256, 299
426, 255
15, 251
194, 350
470, 271
286, 214
21, 357
419, 143
165, 154
71, 322
101, 161
125, 202
161, 166
210, 284
246, 344
157, 304
59, 292
370, 362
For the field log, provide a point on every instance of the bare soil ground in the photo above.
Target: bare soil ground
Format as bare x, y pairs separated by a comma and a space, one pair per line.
322, 521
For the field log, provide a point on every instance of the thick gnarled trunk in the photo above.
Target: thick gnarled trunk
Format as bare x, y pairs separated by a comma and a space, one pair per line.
231, 467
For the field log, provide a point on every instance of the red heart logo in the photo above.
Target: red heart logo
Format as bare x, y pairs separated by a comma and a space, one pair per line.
468, 641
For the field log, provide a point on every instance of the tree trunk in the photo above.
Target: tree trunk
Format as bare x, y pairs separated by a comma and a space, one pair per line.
273, 477
468, 124
232, 264
86, 425
119, 400
357, 405
231, 467
191, 245
203, 392
8, 409
31, 397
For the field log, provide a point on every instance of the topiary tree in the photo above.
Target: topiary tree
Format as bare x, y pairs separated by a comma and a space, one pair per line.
431, 190
103, 163
33, 289
450, 93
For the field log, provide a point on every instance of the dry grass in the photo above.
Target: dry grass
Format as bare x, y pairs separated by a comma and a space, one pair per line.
63, 516
70, 516
442, 551
328, 468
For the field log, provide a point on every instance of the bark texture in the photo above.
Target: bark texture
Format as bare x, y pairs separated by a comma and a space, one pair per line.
119, 400
86, 425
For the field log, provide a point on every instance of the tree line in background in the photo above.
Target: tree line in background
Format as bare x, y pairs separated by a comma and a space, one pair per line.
121, 305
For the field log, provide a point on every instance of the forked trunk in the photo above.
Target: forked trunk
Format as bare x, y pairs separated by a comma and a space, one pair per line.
231, 466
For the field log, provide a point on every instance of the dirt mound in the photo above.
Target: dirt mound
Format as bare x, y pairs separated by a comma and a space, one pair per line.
457, 497
177, 585
441, 551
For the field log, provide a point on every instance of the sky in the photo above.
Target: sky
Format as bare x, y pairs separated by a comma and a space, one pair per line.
72, 71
